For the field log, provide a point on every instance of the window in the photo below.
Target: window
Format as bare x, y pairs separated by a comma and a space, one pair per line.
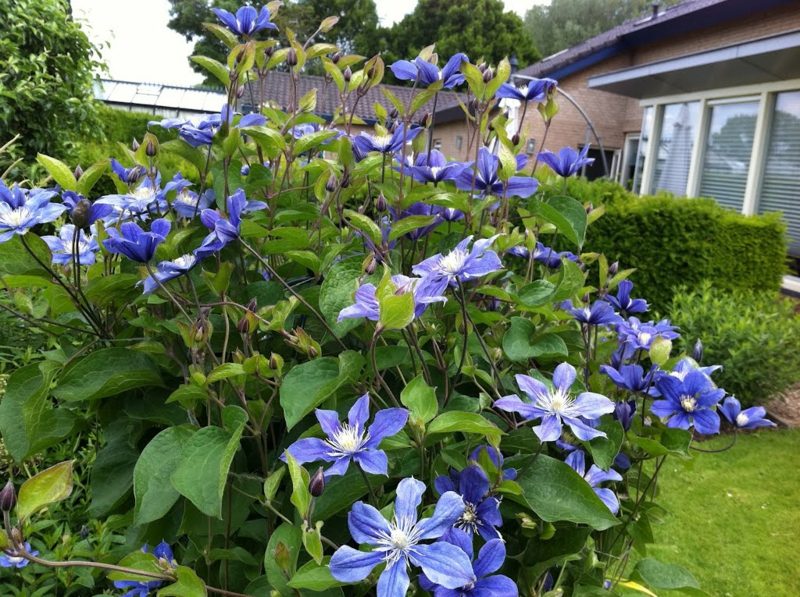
530, 147
782, 165
630, 154
729, 144
675, 145
437, 144
459, 142
643, 144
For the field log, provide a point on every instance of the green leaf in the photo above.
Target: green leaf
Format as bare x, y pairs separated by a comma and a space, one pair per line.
314, 577
154, 494
139, 560
182, 149
409, 224
107, 372
420, 399
225, 371
48, 487
60, 172
337, 291
396, 311
658, 575
520, 343
14, 259
114, 288
112, 470
207, 456
187, 585
280, 559
340, 493
464, 422
90, 177
605, 449
364, 224
311, 141
312, 541
536, 293
566, 214
570, 281
215, 67
555, 492
301, 498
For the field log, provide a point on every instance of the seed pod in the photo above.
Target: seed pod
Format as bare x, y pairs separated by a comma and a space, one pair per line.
316, 484
8, 497
291, 57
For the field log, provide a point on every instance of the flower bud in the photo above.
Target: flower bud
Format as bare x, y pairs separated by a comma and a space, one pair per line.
317, 483
488, 75
244, 325
370, 265
473, 105
150, 149
336, 57
394, 114
380, 203
245, 170
8, 497
80, 214
345, 179
515, 139
78, 172
134, 144
697, 350
252, 305
275, 362
347, 74
291, 57
330, 186
425, 120
135, 174
240, 92
613, 268
482, 67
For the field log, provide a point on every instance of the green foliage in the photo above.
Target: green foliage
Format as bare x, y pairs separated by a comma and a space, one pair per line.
675, 242
755, 336
46, 64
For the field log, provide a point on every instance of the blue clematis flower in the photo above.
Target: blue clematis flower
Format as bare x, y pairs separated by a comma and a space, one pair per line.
459, 266
364, 143
749, 418
688, 401
398, 543
486, 180
127, 175
168, 270
142, 588
555, 406
623, 302
490, 559
144, 199
567, 161
435, 168
247, 21
225, 230
624, 411
630, 377
367, 305
496, 457
187, 203
545, 255
62, 247
94, 211
352, 440
11, 561
426, 73
420, 209
481, 510
598, 313
594, 476
198, 131
640, 336
136, 244
536, 90
22, 209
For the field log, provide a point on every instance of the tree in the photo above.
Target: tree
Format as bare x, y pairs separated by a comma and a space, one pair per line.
355, 31
46, 64
479, 28
565, 23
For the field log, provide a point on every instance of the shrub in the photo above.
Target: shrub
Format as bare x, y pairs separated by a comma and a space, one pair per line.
674, 242
755, 336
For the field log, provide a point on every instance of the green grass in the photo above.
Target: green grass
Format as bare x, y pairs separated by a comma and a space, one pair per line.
734, 518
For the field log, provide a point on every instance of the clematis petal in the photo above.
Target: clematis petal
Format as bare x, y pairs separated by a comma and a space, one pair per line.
443, 484
359, 413
592, 406
339, 467
372, 461
609, 498
350, 565
448, 510
366, 524
394, 581
404, 70
490, 558
328, 420
706, 421
444, 564
496, 586
534, 388
581, 430
309, 449
549, 430
577, 460
564, 376
409, 496
386, 423
473, 484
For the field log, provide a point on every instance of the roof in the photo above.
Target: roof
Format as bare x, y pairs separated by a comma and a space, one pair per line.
159, 96
278, 89
686, 17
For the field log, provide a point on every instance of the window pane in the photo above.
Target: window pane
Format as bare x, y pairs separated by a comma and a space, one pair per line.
675, 145
779, 182
727, 157
644, 143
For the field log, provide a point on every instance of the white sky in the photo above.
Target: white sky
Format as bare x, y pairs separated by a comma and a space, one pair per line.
138, 46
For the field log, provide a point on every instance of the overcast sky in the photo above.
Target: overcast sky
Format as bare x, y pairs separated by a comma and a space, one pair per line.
138, 46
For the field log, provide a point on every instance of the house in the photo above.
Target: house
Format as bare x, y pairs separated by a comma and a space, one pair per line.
700, 99
168, 101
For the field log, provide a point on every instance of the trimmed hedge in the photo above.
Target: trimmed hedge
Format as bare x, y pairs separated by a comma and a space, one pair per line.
674, 242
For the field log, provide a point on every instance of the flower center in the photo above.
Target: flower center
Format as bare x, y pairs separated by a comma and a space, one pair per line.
453, 262
644, 338
399, 539
16, 218
143, 193
185, 261
187, 198
559, 402
383, 141
689, 403
742, 420
469, 519
435, 171
402, 535
348, 440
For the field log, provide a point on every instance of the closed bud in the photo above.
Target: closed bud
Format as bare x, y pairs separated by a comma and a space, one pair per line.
245, 170
240, 91
252, 305
150, 149
244, 325
394, 114
78, 172
613, 268
589, 208
380, 203
370, 265
317, 483
80, 213
482, 67
291, 57
268, 52
135, 145
135, 174
345, 179
697, 351
515, 139
473, 105
425, 120
8, 497
275, 362
330, 186
336, 57
312, 352
488, 75
347, 74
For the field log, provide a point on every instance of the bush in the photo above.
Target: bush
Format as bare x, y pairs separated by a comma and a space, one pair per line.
674, 242
755, 336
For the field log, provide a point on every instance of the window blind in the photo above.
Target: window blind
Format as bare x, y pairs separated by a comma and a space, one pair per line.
675, 145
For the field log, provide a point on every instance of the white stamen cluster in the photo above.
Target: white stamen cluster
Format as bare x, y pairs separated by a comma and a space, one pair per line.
688, 403
347, 441
15, 218
452, 263
742, 419
403, 534
185, 261
557, 402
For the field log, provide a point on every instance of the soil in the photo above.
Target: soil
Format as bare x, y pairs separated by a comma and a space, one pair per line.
784, 409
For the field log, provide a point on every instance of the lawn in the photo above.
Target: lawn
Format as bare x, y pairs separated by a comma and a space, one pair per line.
734, 518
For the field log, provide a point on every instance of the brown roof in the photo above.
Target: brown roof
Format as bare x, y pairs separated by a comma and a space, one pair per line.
278, 89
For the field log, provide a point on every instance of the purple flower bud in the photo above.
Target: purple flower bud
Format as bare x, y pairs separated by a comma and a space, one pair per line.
381, 203
8, 497
394, 114
425, 120
244, 325
240, 92
135, 144
488, 75
347, 74
515, 139
613, 268
371, 265
336, 57
150, 149
317, 483
330, 186
697, 351
291, 57
78, 172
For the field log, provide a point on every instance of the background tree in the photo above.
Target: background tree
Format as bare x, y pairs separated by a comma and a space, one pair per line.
480, 28
355, 32
565, 23
46, 64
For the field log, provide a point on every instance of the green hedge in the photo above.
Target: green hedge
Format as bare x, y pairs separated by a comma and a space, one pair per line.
675, 242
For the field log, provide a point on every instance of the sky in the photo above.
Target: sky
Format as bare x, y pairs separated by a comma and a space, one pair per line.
137, 45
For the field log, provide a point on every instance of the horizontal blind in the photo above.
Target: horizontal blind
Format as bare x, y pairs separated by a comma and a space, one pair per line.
675, 145
780, 190
728, 150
